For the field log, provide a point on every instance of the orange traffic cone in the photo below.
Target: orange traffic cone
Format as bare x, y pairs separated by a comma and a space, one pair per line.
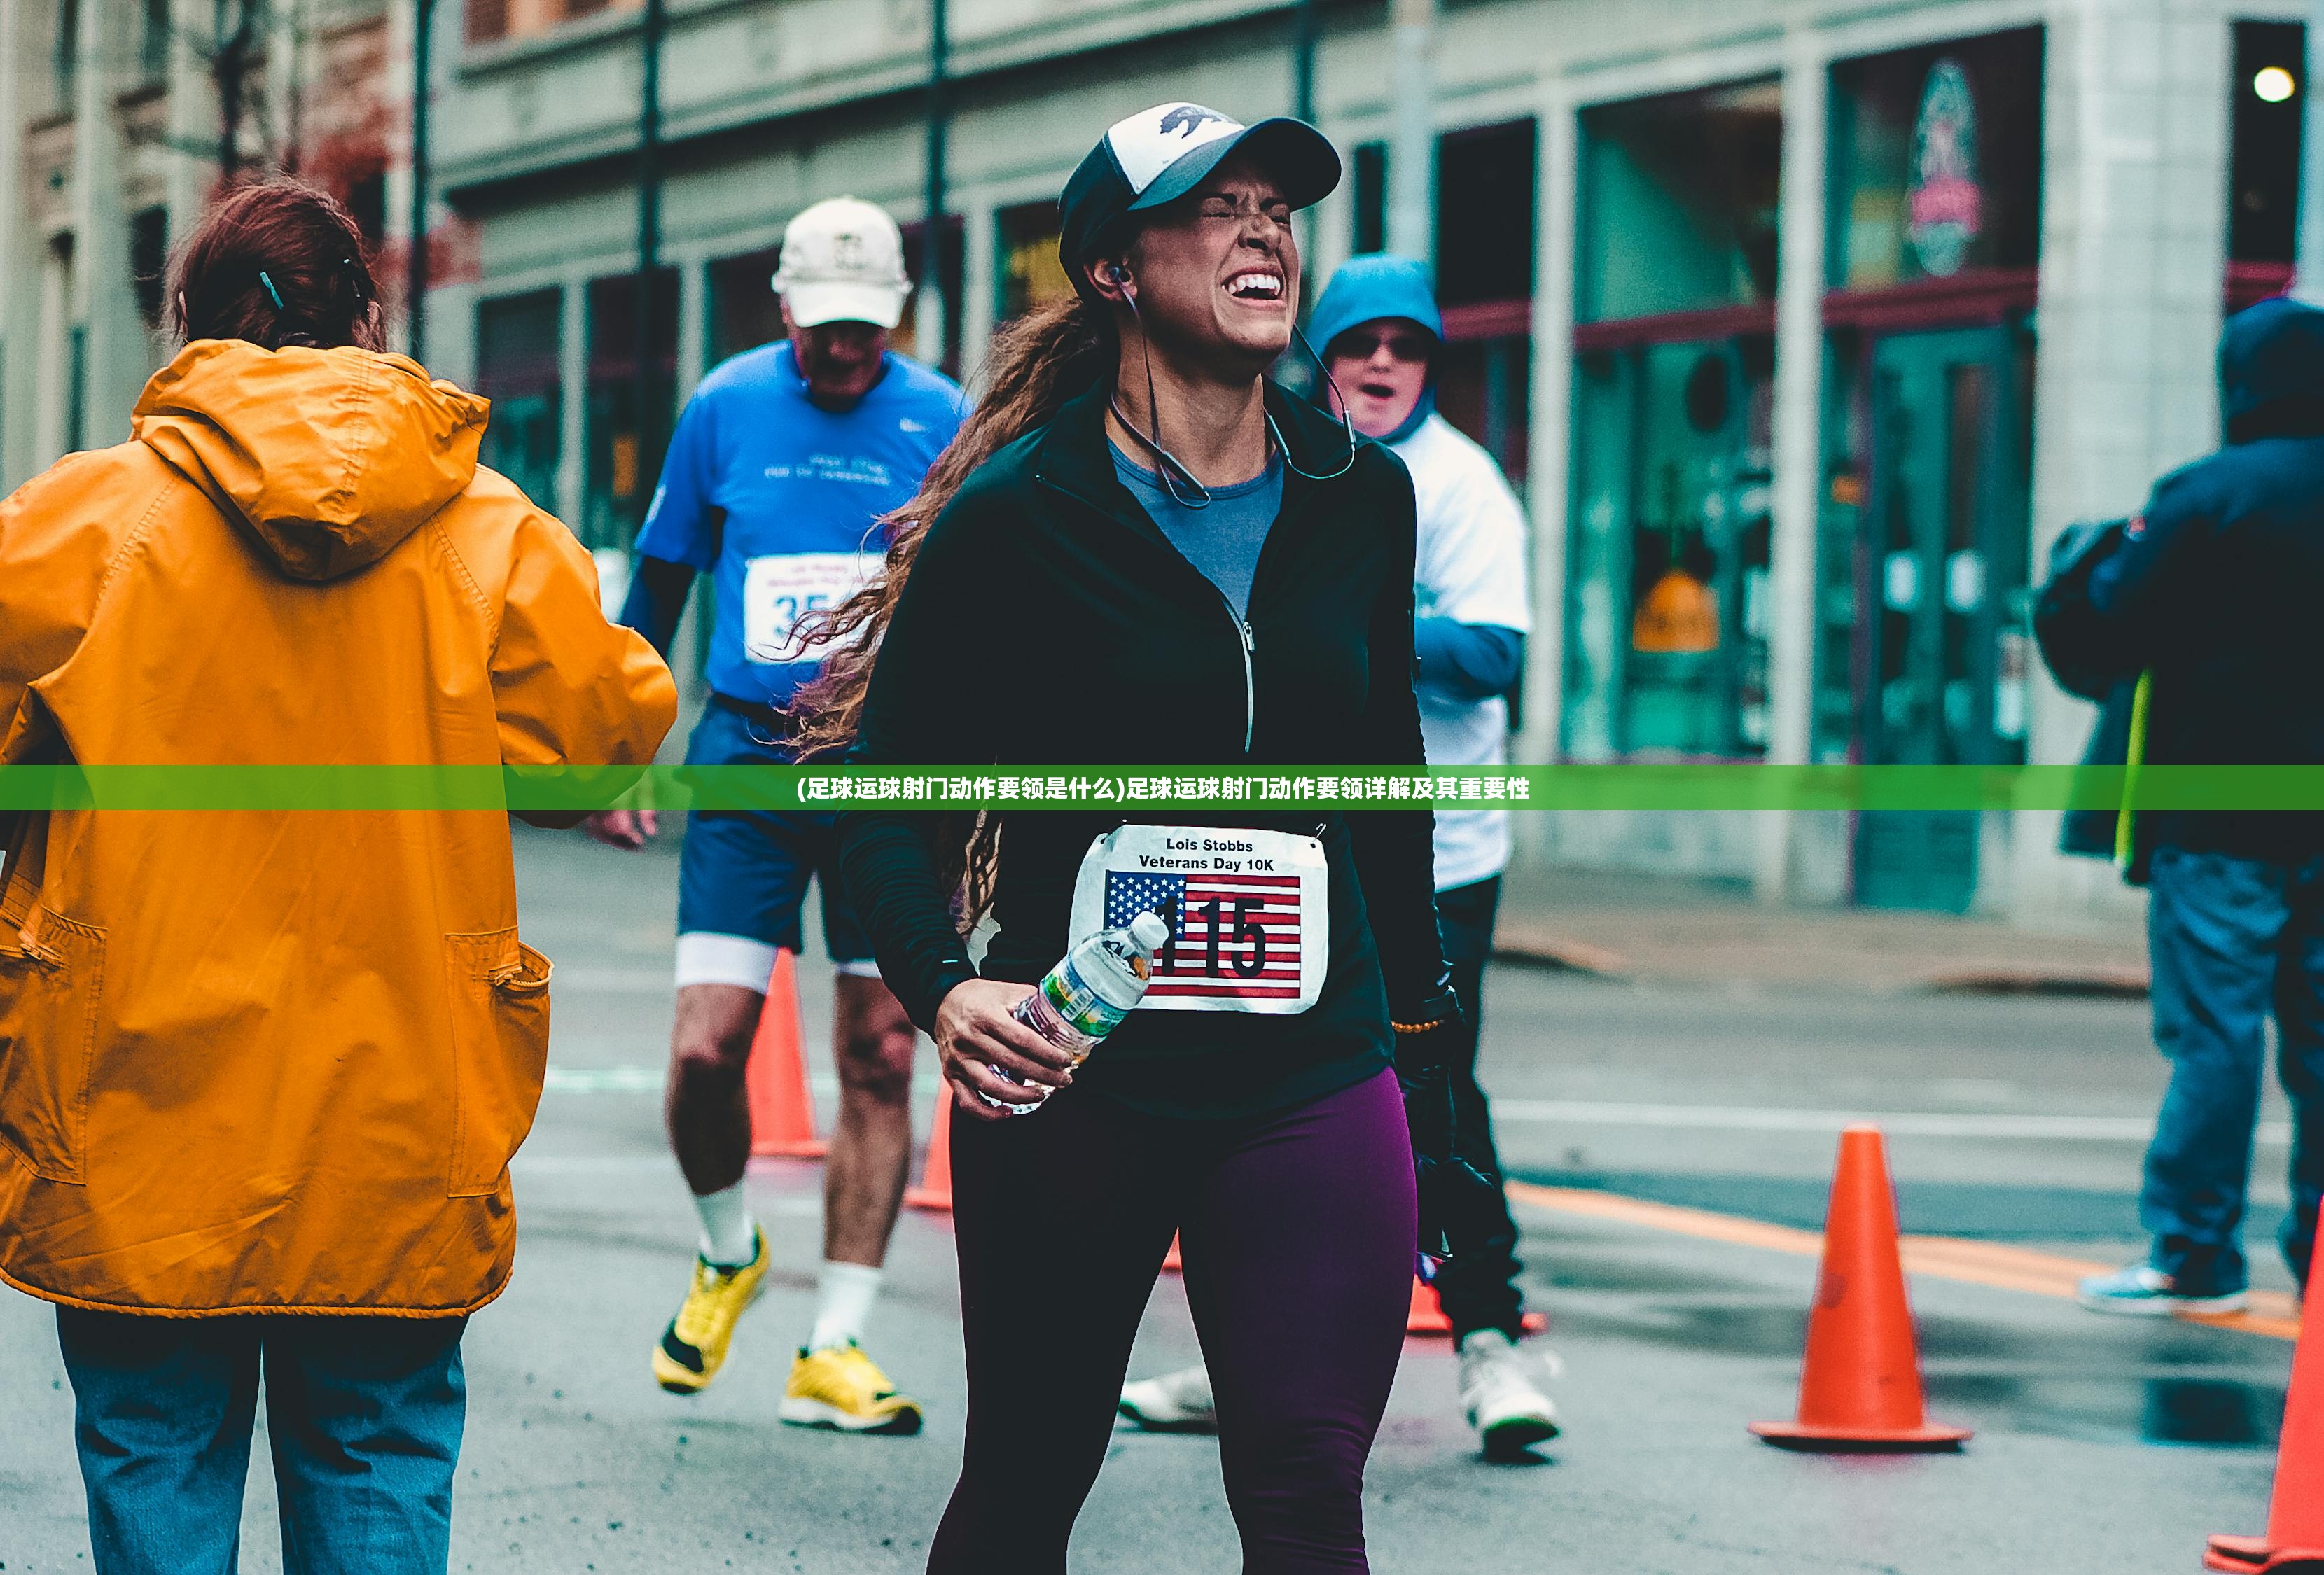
782, 1111
2295, 1516
935, 1191
1426, 1315
1861, 1388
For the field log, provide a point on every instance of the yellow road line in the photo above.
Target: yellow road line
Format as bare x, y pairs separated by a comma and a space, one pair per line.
1945, 1258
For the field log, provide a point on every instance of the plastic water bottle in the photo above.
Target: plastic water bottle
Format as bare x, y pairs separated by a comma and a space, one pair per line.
1086, 995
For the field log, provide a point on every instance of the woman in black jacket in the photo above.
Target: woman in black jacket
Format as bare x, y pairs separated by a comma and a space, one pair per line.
1110, 578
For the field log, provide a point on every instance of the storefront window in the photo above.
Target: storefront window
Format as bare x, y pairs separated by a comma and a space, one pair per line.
1843, 557
1670, 608
2269, 99
745, 312
905, 339
1679, 203
1368, 180
1485, 387
1673, 401
1030, 275
1484, 284
622, 460
1923, 649
517, 369
1937, 160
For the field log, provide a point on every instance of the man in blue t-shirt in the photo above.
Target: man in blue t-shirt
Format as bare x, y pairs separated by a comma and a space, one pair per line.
783, 464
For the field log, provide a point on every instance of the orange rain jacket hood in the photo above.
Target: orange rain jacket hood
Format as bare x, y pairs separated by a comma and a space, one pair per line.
258, 1060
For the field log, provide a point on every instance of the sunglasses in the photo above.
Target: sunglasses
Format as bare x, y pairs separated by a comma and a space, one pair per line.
1363, 344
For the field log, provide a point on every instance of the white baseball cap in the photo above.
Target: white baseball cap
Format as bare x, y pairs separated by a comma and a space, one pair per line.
843, 263
1159, 155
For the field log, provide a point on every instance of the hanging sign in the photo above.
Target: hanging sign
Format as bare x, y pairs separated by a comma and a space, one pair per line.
1945, 204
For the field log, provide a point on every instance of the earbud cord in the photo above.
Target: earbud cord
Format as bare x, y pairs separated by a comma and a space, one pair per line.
1169, 462
1347, 423
1166, 461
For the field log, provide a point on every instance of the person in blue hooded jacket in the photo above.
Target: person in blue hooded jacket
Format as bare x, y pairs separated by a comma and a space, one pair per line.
1380, 332
2213, 591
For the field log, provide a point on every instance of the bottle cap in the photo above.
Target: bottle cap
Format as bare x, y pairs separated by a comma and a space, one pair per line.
1149, 931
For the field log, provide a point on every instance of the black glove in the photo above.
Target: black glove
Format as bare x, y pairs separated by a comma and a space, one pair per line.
1460, 1198
2073, 641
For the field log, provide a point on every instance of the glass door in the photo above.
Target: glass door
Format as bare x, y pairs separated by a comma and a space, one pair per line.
1945, 619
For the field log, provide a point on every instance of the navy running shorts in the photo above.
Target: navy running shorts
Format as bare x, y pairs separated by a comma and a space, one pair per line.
742, 874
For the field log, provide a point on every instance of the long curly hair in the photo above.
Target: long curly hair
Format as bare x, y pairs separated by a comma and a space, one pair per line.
1037, 364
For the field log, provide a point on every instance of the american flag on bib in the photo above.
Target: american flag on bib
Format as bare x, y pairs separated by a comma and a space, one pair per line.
1233, 937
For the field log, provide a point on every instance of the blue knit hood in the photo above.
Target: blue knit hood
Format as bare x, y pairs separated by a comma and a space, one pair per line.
1368, 287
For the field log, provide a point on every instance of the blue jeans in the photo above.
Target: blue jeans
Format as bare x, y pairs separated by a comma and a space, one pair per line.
363, 1414
2232, 940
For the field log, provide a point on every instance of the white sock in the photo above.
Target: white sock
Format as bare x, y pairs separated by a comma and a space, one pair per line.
842, 1299
728, 1236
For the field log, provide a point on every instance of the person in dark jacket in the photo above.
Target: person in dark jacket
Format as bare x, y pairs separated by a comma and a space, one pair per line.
2214, 590
1141, 552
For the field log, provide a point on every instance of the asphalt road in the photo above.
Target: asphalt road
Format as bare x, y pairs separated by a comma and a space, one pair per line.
2101, 1444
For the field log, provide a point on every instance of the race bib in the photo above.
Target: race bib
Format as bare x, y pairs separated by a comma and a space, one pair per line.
1248, 911
779, 590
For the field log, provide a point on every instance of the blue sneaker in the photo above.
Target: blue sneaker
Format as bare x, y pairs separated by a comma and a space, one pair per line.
2143, 1291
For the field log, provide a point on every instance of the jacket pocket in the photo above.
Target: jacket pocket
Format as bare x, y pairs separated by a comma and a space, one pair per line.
499, 989
51, 979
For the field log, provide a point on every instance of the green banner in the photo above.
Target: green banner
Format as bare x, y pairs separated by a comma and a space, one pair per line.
1209, 790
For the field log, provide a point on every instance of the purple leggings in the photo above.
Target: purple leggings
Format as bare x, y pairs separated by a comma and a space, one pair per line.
1298, 1231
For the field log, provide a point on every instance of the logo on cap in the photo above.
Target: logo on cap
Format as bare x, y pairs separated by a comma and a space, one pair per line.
1187, 117
1146, 143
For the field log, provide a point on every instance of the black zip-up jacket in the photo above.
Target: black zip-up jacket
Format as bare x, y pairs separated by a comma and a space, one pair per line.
2218, 589
1049, 621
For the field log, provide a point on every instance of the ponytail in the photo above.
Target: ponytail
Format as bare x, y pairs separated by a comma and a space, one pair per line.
277, 262
1036, 365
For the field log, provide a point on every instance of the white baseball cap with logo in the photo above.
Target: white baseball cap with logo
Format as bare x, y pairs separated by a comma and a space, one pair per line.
1159, 155
843, 263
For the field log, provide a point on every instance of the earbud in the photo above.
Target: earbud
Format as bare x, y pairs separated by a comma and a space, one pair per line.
1118, 273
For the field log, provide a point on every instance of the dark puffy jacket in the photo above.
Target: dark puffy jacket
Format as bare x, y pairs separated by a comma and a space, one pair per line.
2217, 587
2062, 608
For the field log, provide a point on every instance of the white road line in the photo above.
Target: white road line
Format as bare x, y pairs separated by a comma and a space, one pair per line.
650, 1079
1896, 1124
602, 1079
598, 979
590, 1164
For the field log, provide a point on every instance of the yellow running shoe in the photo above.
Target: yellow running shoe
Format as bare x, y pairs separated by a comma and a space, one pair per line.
694, 1347
840, 1387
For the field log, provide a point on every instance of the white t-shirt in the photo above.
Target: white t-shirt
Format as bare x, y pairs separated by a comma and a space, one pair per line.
1471, 570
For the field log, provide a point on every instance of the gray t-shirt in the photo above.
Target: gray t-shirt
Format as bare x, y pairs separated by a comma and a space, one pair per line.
1222, 540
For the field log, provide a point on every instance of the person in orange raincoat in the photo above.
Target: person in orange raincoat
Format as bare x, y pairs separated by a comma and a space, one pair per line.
261, 1072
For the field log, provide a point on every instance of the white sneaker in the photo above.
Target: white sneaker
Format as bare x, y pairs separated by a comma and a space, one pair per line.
1177, 1402
1505, 1405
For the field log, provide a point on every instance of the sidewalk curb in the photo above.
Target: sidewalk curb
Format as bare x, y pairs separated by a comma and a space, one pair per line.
2118, 984
1558, 954
1529, 947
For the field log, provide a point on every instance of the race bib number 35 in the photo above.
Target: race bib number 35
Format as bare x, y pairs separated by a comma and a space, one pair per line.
779, 590
1250, 928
